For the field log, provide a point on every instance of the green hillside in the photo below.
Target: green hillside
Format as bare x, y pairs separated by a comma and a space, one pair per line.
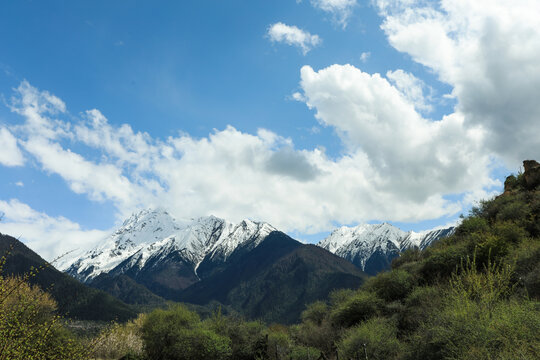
474, 295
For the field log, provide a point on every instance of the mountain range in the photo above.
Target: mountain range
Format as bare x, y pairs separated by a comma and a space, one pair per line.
250, 267
372, 247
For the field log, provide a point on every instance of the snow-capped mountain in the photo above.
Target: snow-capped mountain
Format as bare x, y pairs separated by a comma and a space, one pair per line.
153, 236
372, 247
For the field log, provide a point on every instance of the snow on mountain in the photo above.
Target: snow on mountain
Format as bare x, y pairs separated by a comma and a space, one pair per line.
154, 234
423, 239
373, 246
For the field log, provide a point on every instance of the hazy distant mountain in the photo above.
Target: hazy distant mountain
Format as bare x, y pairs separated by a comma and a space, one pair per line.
373, 247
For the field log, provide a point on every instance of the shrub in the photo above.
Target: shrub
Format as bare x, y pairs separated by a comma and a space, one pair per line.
359, 307
279, 343
176, 334
340, 295
420, 303
464, 330
442, 262
375, 339
29, 327
121, 340
473, 224
321, 336
391, 285
248, 339
303, 353
406, 257
315, 312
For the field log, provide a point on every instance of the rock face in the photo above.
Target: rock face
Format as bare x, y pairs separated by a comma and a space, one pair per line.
531, 174
529, 180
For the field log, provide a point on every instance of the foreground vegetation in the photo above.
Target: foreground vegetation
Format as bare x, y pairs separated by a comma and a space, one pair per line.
473, 295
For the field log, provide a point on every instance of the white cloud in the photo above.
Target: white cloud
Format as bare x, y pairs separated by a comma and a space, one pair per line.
341, 10
365, 56
393, 168
412, 88
396, 165
410, 158
19, 184
294, 36
10, 155
488, 52
46, 235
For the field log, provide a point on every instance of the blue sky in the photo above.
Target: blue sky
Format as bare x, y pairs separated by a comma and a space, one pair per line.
383, 117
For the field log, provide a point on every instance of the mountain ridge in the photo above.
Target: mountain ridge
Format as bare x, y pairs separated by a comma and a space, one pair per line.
372, 247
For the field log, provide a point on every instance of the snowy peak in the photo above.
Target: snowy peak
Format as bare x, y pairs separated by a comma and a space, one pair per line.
373, 246
423, 239
144, 227
362, 235
153, 234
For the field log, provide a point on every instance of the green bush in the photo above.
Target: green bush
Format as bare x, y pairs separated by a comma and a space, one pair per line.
321, 336
419, 305
407, 257
338, 296
374, 339
442, 262
303, 353
315, 312
176, 334
472, 225
464, 330
248, 339
279, 343
391, 285
356, 308
29, 326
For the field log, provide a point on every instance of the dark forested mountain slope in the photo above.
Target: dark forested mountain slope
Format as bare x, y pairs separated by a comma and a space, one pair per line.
75, 300
275, 280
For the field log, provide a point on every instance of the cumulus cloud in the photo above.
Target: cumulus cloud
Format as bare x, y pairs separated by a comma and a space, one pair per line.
11, 154
395, 164
488, 52
412, 158
235, 175
412, 88
294, 36
341, 10
46, 235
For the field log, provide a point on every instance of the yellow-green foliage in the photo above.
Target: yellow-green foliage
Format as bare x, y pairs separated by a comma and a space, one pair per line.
29, 327
120, 340
473, 295
178, 334
373, 339
480, 319
358, 307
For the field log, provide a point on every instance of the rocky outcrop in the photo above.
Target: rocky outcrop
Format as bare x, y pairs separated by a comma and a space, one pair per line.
529, 179
531, 174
